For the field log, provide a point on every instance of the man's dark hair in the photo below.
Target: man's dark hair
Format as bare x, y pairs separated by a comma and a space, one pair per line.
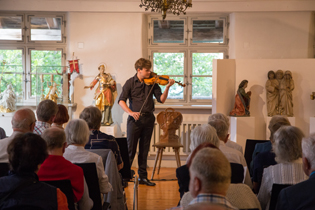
45, 110
143, 63
26, 151
92, 116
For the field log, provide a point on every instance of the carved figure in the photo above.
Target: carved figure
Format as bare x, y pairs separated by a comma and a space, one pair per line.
242, 101
272, 94
105, 94
286, 99
169, 121
52, 93
8, 99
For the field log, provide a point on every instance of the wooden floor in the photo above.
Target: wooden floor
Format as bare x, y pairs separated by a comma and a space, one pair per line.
162, 196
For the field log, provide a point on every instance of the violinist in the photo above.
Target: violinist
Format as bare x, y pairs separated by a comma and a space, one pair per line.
141, 119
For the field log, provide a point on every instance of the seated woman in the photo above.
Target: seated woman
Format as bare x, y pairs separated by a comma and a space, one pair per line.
61, 118
21, 188
289, 170
77, 135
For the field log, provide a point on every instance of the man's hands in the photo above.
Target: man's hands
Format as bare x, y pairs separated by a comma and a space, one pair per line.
170, 82
135, 115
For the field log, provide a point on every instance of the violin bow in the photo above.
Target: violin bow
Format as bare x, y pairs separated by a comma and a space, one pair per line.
147, 97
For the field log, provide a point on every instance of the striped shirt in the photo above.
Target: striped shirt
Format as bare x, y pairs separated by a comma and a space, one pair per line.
40, 127
282, 173
212, 198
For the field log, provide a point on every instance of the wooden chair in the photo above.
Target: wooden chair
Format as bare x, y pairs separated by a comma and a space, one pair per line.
90, 174
249, 149
4, 169
276, 189
237, 173
66, 187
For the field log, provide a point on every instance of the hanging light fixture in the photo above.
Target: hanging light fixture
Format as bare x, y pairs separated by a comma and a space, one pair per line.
174, 6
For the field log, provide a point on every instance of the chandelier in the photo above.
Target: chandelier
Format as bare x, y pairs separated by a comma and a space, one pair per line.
174, 6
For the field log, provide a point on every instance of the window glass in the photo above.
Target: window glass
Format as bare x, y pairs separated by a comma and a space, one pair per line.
201, 88
202, 62
207, 31
168, 31
10, 28
45, 29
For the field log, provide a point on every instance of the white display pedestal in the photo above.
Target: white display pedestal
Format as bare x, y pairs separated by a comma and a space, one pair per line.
242, 128
110, 130
291, 120
312, 125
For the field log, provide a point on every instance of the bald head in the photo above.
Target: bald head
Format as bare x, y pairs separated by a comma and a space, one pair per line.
23, 120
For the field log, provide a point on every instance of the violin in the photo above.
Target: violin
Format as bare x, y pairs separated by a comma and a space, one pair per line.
159, 79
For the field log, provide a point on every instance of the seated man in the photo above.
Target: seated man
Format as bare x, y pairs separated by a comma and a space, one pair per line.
99, 140
46, 112
210, 177
21, 188
301, 195
56, 167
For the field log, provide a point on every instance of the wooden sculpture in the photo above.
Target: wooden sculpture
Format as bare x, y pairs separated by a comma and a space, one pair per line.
169, 121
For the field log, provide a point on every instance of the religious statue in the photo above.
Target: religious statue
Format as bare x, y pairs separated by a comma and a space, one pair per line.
272, 94
52, 93
285, 92
105, 94
242, 101
7, 100
169, 121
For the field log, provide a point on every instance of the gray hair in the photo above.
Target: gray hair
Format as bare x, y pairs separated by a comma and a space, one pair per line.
212, 168
203, 133
54, 137
287, 144
93, 116
221, 127
23, 118
308, 149
77, 132
276, 122
219, 116
45, 110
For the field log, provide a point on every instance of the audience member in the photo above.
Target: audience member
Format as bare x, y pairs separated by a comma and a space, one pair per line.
289, 170
2, 133
46, 112
301, 195
266, 158
99, 140
210, 177
228, 142
233, 155
61, 118
77, 135
23, 121
56, 167
21, 188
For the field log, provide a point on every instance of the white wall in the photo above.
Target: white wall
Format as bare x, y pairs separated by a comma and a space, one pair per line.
269, 35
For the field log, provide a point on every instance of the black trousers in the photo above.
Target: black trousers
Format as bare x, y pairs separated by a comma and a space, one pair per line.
140, 131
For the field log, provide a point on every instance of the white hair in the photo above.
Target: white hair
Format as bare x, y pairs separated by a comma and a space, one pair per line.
308, 149
212, 168
203, 133
219, 116
77, 132
221, 127
287, 146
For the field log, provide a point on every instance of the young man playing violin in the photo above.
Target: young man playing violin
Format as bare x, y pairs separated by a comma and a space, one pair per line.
141, 119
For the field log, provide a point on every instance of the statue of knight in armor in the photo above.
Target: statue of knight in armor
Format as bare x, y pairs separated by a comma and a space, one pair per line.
105, 94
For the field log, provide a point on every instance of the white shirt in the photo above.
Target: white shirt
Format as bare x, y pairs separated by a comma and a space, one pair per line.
77, 154
4, 143
234, 145
235, 156
282, 173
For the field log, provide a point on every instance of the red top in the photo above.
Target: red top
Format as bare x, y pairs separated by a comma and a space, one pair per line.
58, 168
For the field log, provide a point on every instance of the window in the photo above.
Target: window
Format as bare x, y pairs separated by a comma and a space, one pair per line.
183, 49
31, 53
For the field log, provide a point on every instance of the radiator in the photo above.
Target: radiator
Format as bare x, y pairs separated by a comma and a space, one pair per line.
184, 136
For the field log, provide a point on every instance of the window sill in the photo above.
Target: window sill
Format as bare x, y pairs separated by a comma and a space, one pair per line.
176, 106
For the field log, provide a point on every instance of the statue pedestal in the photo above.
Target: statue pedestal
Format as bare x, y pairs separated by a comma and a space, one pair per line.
312, 125
110, 130
291, 120
242, 128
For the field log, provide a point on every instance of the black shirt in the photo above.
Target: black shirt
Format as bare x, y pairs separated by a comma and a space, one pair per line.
136, 92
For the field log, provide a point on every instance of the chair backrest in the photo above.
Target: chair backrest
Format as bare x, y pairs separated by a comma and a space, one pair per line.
237, 175
66, 187
276, 189
135, 194
23, 207
4, 169
123, 147
249, 149
90, 174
